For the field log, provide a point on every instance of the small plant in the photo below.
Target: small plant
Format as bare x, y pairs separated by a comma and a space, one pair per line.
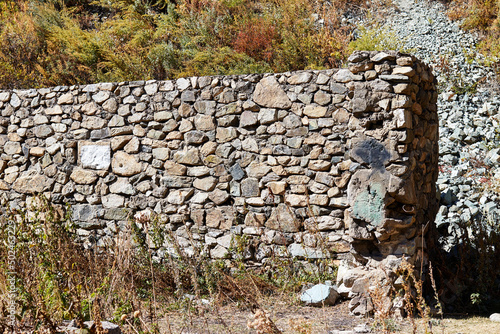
376, 37
301, 325
262, 323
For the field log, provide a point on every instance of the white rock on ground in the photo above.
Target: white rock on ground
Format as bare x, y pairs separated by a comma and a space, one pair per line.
320, 295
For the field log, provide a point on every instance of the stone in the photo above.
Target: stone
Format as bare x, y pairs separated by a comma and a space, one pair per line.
277, 188
59, 127
403, 118
31, 182
40, 119
205, 107
111, 105
204, 123
319, 165
361, 306
112, 201
183, 83
221, 217
117, 214
122, 186
267, 116
3, 165
95, 155
495, 317
116, 120
404, 70
320, 295
124, 164
199, 198
65, 99
15, 101
162, 116
224, 135
219, 252
237, 172
300, 78
296, 200
343, 76
93, 123
218, 196
12, 148
132, 146
268, 93
185, 110
248, 119
43, 131
4, 186
226, 241
161, 153
283, 219
323, 223
315, 111
205, 184
151, 89
300, 251
190, 157
381, 56
83, 176
179, 197
255, 219
322, 98
195, 137
101, 96
257, 169
250, 145
341, 116
198, 171
4, 96
89, 327
250, 187
176, 182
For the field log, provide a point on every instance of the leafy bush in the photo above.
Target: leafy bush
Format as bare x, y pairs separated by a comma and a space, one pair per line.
64, 42
480, 16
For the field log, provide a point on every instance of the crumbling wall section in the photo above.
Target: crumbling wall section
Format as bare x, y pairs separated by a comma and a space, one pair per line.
337, 163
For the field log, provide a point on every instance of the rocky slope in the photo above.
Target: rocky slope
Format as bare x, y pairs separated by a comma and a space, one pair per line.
468, 109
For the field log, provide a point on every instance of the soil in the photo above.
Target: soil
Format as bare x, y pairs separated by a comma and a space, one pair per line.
288, 317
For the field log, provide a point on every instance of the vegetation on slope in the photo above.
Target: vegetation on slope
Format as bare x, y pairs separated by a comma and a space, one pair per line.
65, 42
481, 16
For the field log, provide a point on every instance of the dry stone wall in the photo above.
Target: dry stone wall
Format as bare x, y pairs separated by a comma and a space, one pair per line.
336, 163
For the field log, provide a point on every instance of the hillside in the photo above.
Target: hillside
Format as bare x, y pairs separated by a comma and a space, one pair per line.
56, 42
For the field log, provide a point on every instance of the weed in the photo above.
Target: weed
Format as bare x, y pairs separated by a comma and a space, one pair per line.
263, 324
376, 37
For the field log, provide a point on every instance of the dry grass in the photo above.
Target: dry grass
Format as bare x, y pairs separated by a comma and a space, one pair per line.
466, 325
289, 317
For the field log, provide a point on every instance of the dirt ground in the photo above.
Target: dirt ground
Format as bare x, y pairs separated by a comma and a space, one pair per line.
294, 318
289, 318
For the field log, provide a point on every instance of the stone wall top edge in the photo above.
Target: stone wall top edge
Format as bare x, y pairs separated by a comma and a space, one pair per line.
355, 57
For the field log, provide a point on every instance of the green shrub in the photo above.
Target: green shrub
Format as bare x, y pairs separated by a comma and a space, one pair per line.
65, 42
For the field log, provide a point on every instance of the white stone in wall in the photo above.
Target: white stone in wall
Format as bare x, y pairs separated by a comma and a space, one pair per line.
95, 155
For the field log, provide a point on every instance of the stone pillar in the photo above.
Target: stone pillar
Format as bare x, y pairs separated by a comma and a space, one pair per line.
392, 199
